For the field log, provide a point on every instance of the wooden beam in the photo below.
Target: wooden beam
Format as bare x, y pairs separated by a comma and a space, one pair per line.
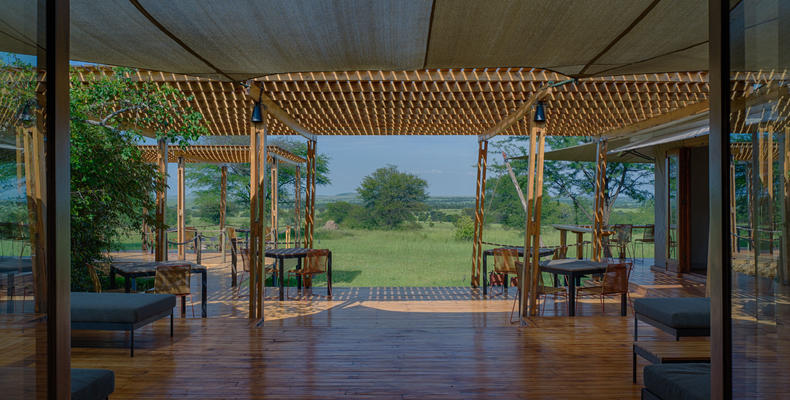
180, 210
255, 92
517, 115
672, 117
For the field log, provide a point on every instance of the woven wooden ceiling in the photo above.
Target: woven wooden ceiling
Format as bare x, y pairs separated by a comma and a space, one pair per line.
455, 102
213, 154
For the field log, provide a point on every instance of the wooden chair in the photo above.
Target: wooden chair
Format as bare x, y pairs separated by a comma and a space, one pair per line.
175, 280
621, 240
239, 249
613, 282
505, 263
648, 236
316, 262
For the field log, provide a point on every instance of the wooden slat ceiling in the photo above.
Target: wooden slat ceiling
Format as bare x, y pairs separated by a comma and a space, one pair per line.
452, 102
213, 154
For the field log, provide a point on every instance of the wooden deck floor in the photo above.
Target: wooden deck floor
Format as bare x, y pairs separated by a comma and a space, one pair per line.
380, 343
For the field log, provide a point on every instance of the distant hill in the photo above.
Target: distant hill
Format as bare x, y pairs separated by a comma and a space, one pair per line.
434, 201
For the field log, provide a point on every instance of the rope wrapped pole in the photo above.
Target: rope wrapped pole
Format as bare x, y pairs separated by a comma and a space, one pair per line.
538, 200
526, 273
180, 210
477, 237
223, 195
600, 188
161, 200
254, 219
262, 159
297, 205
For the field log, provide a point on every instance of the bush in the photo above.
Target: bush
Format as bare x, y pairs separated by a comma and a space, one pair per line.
464, 228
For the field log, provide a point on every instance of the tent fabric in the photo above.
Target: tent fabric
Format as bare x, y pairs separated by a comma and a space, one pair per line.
239, 39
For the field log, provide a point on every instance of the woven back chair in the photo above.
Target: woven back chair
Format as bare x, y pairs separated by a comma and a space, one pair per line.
614, 282
315, 262
648, 236
505, 261
175, 280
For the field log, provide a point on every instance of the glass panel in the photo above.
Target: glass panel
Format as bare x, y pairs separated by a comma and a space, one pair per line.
23, 331
759, 201
673, 195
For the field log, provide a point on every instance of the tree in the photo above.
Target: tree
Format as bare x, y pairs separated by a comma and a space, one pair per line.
204, 179
392, 197
576, 179
110, 182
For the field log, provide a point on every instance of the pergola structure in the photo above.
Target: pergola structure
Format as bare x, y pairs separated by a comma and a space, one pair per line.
223, 155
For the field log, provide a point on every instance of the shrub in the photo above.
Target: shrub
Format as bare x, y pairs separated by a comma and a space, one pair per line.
464, 228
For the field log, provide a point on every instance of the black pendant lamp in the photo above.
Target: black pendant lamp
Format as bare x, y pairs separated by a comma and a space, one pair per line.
540, 112
256, 110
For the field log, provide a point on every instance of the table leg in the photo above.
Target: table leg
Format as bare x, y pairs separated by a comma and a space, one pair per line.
563, 243
10, 292
329, 276
112, 277
203, 295
504, 282
485, 274
127, 284
579, 245
623, 304
299, 277
572, 295
282, 278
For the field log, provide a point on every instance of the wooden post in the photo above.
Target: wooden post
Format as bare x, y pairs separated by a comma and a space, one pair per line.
223, 194
262, 159
600, 188
161, 201
314, 165
180, 210
538, 200
275, 201
33, 143
784, 157
526, 273
733, 210
309, 227
480, 195
307, 196
297, 205
254, 220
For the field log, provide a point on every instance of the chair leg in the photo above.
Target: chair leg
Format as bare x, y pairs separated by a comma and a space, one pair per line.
183, 306
171, 323
131, 342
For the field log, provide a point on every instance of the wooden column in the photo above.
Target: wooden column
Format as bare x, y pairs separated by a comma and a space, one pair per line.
309, 228
684, 210
784, 157
161, 201
180, 210
313, 174
297, 206
600, 188
35, 188
223, 194
733, 209
307, 196
480, 195
252, 242
526, 271
536, 129
275, 201
262, 159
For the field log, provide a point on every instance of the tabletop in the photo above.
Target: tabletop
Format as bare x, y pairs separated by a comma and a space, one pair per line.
287, 252
15, 264
572, 265
543, 252
138, 267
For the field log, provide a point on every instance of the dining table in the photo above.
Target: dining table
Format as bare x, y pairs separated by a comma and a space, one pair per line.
131, 270
579, 230
573, 270
10, 267
298, 253
543, 252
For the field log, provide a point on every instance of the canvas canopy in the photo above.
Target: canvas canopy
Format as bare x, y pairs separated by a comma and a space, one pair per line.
240, 39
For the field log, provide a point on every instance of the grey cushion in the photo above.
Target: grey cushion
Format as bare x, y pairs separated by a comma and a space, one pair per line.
678, 313
91, 384
118, 307
678, 381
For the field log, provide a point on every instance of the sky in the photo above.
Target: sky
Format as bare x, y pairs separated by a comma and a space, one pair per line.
447, 163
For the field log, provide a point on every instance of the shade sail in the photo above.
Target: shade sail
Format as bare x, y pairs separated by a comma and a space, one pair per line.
586, 152
240, 39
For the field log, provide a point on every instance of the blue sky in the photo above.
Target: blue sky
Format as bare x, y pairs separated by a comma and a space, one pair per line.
447, 163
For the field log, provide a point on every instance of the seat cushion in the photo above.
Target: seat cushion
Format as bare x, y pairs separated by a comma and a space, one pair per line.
91, 384
118, 307
678, 313
678, 381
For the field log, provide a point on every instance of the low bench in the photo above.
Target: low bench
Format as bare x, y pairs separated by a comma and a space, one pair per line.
680, 316
677, 382
119, 311
91, 384
657, 352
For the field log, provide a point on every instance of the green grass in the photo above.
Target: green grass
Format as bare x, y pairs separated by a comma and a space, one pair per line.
430, 256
